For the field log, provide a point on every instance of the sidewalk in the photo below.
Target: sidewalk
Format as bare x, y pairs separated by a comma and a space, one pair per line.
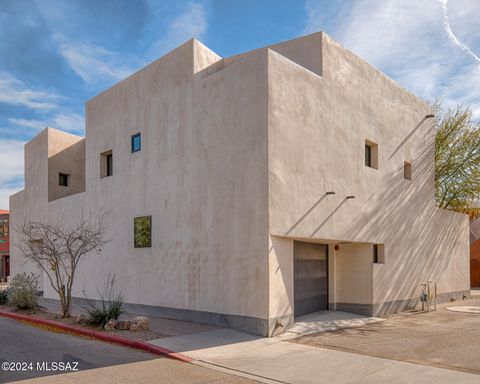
271, 360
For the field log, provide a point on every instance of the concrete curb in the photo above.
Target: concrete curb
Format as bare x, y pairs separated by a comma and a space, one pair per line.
100, 336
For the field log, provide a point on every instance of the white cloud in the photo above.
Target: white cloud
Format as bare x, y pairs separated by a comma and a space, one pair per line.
192, 23
93, 63
5, 194
451, 35
15, 92
11, 169
407, 39
72, 122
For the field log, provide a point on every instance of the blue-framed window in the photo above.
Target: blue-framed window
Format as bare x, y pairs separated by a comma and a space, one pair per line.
136, 142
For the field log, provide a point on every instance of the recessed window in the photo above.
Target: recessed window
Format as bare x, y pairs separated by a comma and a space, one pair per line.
407, 170
136, 142
109, 165
142, 230
63, 179
371, 154
106, 164
378, 254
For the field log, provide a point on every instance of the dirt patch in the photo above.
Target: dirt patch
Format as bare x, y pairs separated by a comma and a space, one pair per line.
442, 338
45, 314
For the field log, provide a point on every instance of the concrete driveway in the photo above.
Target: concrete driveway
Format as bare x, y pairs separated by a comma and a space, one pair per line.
443, 338
308, 361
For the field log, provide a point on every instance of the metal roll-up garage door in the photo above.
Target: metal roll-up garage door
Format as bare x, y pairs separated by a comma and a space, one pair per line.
311, 277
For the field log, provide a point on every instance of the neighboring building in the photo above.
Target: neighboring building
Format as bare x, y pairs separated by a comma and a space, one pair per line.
249, 190
475, 253
4, 246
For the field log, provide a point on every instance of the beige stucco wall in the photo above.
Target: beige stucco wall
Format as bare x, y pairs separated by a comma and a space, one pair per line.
66, 154
31, 202
318, 125
201, 175
281, 276
50, 152
237, 155
353, 276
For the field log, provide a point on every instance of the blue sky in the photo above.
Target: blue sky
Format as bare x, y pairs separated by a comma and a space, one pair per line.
55, 55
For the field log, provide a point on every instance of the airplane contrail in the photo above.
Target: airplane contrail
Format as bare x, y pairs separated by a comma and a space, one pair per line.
451, 35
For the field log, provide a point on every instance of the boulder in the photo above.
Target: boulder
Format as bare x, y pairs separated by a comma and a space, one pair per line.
123, 325
139, 323
111, 325
82, 319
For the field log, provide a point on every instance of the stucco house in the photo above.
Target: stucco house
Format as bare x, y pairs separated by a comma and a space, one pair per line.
250, 190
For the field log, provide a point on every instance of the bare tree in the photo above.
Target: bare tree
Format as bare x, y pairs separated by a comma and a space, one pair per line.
57, 250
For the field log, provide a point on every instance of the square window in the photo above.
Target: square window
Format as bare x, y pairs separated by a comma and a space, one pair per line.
407, 170
63, 179
378, 254
136, 142
142, 228
371, 154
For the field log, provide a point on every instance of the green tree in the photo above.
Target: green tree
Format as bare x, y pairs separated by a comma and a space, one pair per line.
457, 160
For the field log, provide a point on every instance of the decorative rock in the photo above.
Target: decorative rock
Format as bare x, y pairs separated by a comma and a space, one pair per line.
82, 319
139, 323
111, 325
123, 325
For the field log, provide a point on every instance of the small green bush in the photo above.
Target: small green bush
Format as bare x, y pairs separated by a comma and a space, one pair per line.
22, 292
101, 313
3, 297
110, 305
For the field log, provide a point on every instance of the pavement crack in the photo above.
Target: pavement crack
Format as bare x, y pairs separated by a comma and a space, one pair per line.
243, 372
371, 373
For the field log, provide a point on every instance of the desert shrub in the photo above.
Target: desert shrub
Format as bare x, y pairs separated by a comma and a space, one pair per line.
110, 305
22, 292
3, 297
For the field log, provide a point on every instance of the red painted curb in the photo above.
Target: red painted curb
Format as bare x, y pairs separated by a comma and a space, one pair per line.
101, 336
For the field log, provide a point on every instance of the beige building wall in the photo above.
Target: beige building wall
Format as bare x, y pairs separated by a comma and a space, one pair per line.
318, 126
237, 156
202, 176
353, 277
66, 155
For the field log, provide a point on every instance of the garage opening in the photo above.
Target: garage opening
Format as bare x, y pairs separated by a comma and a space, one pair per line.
310, 277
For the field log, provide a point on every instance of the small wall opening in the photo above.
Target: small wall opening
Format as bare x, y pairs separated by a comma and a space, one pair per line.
63, 179
378, 254
106, 164
371, 154
407, 170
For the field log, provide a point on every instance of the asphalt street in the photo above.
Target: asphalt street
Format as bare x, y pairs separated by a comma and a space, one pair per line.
22, 344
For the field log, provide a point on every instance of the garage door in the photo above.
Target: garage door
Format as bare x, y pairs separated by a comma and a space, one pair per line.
311, 277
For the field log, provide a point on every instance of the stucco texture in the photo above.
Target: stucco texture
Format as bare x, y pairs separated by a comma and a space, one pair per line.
237, 156
318, 126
